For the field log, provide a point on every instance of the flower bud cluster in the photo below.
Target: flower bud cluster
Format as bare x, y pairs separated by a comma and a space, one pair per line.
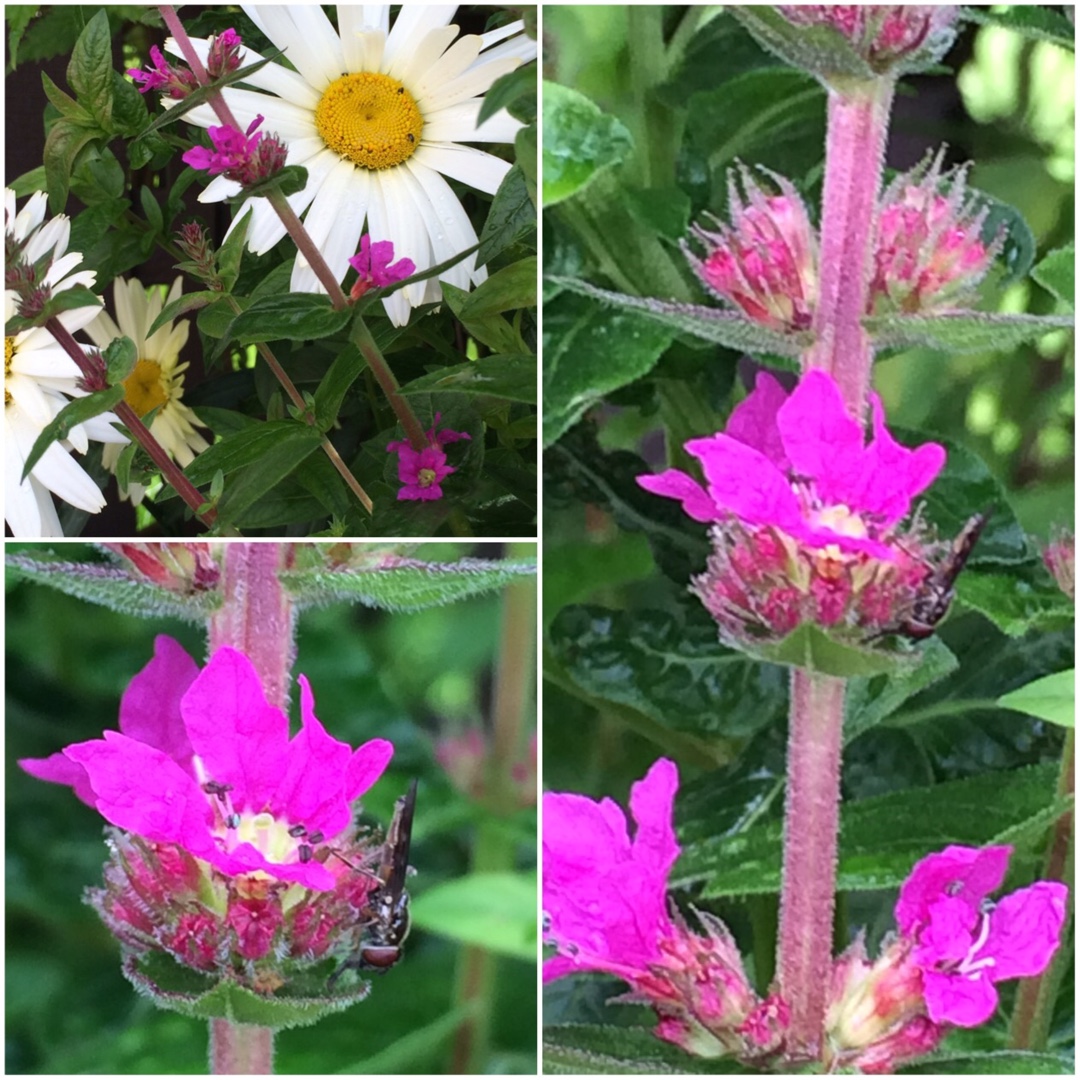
179, 567
247, 157
224, 54
173, 80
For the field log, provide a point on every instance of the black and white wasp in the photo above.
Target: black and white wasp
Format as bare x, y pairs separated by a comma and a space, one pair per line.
387, 909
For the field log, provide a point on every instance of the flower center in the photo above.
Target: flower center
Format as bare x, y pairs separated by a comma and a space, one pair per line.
370, 119
9, 355
144, 388
426, 477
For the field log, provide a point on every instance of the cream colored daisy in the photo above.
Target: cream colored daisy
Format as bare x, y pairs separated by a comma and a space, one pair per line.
40, 379
157, 382
379, 116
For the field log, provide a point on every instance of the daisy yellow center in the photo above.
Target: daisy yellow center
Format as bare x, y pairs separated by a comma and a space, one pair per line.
370, 119
9, 355
426, 477
144, 388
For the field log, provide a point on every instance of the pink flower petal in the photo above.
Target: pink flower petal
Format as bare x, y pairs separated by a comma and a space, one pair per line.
674, 484
366, 765
1025, 930
753, 420
150, 707
58, 768
956, 999
652, 802
969, 873
239, 737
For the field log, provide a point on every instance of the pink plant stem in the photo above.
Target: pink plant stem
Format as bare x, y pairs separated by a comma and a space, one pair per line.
93, 372
257, 614
241, 1049
858, 125
811, 825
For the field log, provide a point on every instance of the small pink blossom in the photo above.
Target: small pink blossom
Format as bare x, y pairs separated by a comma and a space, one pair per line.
884, 35
223, 56
175, 80
929, 252
421, 472
606, 908
765, 261
964, 944
1060, 559
805, 514
374, 263
246, 157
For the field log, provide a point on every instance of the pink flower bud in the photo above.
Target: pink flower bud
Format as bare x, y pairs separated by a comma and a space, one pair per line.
884, 35
224, 54
184, 567
929, 251
1060, 559
765, 261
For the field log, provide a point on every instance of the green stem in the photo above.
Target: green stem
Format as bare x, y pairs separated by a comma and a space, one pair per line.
362, 339
493, 851
257, 615
811, 829
1033, 1012
657, 131
241, 1049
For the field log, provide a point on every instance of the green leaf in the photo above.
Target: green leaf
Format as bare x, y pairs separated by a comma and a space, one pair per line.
90, 70
113, 587
67, 106
527, 153
181, 306
301, 316
151, 209
1034, 21
238, 450
231, 251
251, 482
496, 911
18, 17
989, 1063
402, 1055
579, 141
882, 838
120, 358
587, 1049
588, 352
288, 180
491, 330
810, 647
511, 219
62, 146
662, 210
1022, 599
1051, 698
510, 88
29, 182
962, 331
715, 325
671, 671
74, 412
509, 376
1057, 274
512, 287
334, 385
404, 584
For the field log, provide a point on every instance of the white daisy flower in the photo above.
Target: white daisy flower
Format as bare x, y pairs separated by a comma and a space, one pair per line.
39, 380
377, 114
157, 381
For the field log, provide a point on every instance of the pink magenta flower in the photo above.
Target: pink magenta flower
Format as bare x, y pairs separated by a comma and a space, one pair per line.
421, 472
929, 251
765, 261
246, 157
232, 842
884, 34
963, 943
805, 514
606, 908
374, 263
175, 80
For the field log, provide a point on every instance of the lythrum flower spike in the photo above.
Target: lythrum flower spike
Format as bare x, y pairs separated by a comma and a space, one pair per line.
231, 846
765, 261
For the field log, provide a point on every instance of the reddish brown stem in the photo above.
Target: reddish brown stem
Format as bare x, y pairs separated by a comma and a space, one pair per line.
240, 1049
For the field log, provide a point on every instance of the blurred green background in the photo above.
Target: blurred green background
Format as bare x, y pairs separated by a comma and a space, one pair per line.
405, 677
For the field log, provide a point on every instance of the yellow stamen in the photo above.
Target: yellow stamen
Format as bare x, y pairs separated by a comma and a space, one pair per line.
370, 119
426, 477
144, 388
9, 355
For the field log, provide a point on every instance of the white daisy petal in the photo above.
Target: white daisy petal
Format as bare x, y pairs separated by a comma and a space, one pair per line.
309, 41
334, 223
413, 22
478, 169
458, 124
423, 63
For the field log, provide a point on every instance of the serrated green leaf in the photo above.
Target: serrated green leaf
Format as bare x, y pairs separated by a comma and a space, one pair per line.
113, 587
715, 325
120, 357
334, 385
67, 106
18, 17
989, 1063
512, 377
1057, 274
962, 331
407, 584
599, 1049
513, 286
882, 838
580, 140
809, 647
491, 330
62, 146
151, 209
181, 306
1051, 698
238, 450
90, 70
507, 89
231, 251
73, 413
29, 182
1022, 599
302, 316
511, 219
496, 911
662, 210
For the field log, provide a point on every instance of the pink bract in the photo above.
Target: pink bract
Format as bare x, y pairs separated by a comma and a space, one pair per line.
798, 463
605, 894
181, 728
965, 945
